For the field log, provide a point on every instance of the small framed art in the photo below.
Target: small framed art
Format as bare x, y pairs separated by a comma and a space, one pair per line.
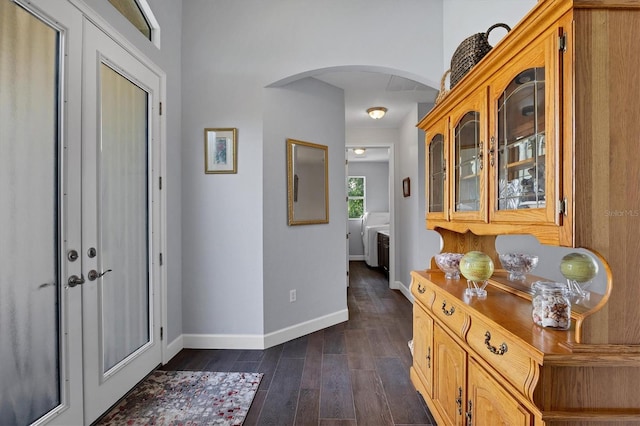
406, 187
220, 150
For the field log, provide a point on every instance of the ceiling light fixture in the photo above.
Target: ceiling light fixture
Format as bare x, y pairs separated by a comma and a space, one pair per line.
376, 112
359, 151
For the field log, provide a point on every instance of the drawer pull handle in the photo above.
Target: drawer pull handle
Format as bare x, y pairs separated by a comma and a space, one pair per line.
447, 312
421, 289
498, 351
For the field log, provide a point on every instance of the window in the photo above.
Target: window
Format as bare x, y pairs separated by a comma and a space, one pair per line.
356, 191
139, 14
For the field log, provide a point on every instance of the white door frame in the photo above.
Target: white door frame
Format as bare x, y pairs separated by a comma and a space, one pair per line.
393, 284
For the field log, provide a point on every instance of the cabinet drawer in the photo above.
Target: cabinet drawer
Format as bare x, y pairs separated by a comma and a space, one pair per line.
422, 292
505, 354
449, 311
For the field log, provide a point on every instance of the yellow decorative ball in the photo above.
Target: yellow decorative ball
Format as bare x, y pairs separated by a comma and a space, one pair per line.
476, 266
578, 267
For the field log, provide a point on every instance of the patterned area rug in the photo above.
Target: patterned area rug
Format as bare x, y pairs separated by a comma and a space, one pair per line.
186, 398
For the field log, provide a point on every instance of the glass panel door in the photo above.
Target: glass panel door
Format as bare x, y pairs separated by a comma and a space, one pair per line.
525, 141
467, 165
437, 174
521, 148
437, 180
120, 213
30, 253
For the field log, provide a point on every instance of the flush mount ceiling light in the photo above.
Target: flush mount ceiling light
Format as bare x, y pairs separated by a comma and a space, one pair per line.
376, 112
359, 151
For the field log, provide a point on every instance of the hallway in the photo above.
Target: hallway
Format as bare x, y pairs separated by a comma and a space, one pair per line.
354, 373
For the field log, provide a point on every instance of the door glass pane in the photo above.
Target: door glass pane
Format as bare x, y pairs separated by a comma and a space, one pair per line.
29, 241
521, 142
436, 174
467, 144
123, 217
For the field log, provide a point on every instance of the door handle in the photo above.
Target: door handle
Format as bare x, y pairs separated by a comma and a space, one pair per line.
94, 275
75, 280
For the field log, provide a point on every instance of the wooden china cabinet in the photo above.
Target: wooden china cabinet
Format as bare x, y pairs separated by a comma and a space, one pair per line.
540, 138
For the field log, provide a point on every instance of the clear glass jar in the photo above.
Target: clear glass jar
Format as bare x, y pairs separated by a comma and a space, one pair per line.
551, 305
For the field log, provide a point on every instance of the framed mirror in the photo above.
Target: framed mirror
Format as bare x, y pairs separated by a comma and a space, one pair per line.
307, 183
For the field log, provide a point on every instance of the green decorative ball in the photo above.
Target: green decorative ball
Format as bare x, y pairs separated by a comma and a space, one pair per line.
476, 266
578, 267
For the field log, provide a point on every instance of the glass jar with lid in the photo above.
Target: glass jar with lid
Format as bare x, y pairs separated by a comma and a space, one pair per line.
551, 305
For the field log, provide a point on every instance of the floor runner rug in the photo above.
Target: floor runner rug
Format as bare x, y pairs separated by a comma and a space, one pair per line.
186, 398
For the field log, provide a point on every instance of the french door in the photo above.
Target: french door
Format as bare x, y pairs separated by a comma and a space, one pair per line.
120, 218
79, 214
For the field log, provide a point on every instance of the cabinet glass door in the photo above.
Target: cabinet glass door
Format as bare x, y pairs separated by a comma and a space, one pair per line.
524, 144
521, 147
467, 167
437, 192
468, 134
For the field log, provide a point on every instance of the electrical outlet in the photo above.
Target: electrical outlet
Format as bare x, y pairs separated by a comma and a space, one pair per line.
292, 296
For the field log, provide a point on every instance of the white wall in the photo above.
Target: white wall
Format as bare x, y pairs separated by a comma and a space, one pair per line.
463, 18
377, 176
231, 52
415, 245
308, 258
218, 63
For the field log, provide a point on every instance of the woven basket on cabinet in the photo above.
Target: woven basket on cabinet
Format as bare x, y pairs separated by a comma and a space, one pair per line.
443, 91
470, 52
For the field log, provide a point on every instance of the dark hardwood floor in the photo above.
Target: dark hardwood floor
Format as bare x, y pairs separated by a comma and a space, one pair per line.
353, 373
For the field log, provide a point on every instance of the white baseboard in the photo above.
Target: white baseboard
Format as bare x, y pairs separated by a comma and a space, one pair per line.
223, 341
257, 341
295, 331
405, 291
172, 349
356, 257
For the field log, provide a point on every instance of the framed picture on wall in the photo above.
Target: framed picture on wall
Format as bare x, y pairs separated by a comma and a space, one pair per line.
406, 187
220, 150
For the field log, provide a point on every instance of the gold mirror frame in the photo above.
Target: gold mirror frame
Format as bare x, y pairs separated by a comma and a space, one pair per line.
307, 183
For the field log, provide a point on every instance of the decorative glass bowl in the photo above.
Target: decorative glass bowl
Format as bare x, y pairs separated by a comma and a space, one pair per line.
449, 263
518, 264
477, 268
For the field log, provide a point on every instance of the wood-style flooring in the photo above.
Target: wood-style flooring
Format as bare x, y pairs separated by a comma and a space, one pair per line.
353, 373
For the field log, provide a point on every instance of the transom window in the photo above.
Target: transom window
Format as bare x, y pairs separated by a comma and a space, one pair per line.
136, 13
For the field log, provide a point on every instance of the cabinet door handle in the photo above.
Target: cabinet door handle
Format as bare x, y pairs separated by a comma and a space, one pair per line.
492, 150
421, 289
447, 312
429, 357
469, 413
480, 154
501, 350
459, 400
